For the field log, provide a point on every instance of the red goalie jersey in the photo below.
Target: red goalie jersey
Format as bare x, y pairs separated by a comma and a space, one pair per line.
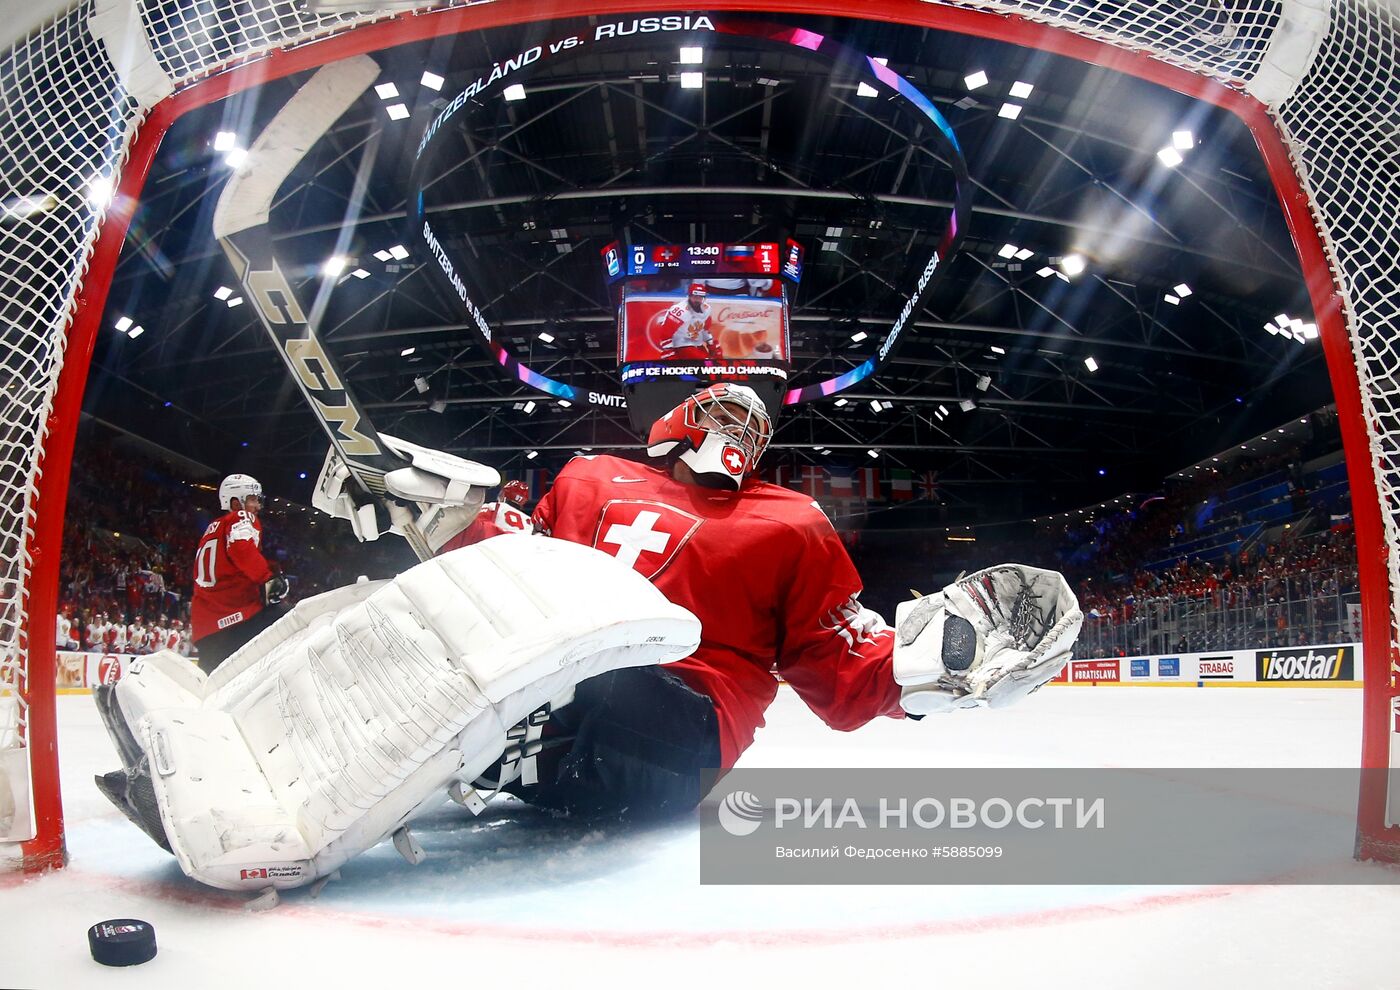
229, 572
765, 573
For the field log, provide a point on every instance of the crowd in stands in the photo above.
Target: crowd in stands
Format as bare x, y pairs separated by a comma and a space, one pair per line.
132, 524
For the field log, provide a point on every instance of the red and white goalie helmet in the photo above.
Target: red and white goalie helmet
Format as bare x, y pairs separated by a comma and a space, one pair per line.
238, 486
517, 493
719, 433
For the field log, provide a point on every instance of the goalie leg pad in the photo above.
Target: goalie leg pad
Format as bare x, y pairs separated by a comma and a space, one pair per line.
333, 739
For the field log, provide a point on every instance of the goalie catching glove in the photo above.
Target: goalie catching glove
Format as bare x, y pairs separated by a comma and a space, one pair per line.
989, 638
439, 492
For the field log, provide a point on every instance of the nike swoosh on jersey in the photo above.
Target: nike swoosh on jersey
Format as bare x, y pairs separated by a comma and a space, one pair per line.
620, 480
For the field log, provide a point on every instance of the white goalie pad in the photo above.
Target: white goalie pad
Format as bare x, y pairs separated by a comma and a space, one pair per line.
311, 745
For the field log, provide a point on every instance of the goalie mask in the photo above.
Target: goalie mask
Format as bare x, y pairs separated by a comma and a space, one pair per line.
719, 433
238, 486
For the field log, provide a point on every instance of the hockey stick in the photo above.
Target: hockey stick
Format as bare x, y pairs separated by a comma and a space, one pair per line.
240, 225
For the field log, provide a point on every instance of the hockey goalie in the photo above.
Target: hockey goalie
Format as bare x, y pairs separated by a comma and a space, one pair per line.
598, 668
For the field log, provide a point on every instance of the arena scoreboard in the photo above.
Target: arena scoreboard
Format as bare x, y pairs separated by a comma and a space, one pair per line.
642, 260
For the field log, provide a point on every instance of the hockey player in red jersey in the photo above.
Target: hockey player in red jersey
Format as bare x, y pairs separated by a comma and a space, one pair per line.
495, 518
236, 592
685, 327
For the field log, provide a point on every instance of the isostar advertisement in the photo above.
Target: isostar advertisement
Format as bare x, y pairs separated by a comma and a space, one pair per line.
1300, 663
1299, 666
697, 322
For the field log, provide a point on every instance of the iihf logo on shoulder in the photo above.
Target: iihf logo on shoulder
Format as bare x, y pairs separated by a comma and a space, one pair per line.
740, 813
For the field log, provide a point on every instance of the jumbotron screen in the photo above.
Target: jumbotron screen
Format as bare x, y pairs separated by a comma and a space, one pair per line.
691, 315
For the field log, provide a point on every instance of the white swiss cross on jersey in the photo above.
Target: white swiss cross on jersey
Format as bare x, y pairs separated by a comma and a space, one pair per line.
644, 535
734, 460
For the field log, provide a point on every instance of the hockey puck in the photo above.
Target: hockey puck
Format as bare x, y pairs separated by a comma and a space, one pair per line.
122, 942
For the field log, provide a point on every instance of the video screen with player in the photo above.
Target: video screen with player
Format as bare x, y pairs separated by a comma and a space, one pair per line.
722, 318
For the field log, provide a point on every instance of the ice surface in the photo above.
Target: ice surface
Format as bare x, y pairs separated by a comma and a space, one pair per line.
517, 895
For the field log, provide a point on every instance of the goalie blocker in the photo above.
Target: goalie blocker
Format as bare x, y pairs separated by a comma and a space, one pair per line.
334, 728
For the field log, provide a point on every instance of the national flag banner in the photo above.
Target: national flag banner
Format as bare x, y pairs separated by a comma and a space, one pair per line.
788, 476
813, 481
868, 485
537, 480
928, 486
842, 484
901, 484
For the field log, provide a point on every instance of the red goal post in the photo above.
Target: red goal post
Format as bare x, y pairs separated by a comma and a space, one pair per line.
89, 96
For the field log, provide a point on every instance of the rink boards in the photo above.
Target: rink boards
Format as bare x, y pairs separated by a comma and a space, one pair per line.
1337, 665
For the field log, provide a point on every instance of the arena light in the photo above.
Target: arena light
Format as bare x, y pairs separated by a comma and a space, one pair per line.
975, 80
1170, 157
546, 336
383, 255
1023, 254
875, 405
1072, 265
99, 192
1173, 300
236, 157
124, 323
841, 402
1010, 111
225, 141
565, 403
432, 81
943, 409
397, 111
530, 455
692, 54
386, 91
1182, 289
998, 350
421, 384
136, 331
967, 405
222, 293
984, 383
529, 407
1310, 331
1183, 140
1091, 364
334, 265
514, 93
398, 252
1046, 272
1020, 90
235, 301
866, 90
872, 453
360, 273
692, 80
438, 406
1008, 251
858, 336
407, 351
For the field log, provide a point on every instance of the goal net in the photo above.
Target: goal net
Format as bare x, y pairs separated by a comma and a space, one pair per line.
87, 97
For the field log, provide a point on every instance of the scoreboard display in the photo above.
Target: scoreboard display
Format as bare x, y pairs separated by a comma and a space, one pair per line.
640, 260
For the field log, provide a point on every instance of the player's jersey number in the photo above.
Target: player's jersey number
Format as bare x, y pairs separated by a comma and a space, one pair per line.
204, 564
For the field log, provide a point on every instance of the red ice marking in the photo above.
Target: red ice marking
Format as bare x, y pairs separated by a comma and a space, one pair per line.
776, 938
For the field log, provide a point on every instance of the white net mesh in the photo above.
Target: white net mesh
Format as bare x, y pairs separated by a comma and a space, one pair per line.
65, 121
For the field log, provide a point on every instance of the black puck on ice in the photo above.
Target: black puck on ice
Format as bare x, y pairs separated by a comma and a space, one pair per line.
122, 942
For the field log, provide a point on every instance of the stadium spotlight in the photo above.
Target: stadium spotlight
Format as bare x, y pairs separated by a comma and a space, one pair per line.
565, 403
841, 402
398, 252
873, 453
334, 265
1172, 299
1023, 254
858, 336
1170, 157
866, 90
383, 255
236, 157
546, 336
302, 475
1008, 251
875, 405
360, 273
136, 331
692, 80
1020, 90
998, 350
967, 405
386, 91
222, 293
1010, 111
396, 111
529, 407
235, 301
225, 141
124, 323
1183, 140
530, 455
407, 351
431, 80
1182, 289
975, 80
1046, 272
1072, 265
514, 93
942, 409
1091, 364
692, 54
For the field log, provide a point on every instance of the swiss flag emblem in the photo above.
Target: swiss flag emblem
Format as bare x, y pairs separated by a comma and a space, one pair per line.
644, 535
734, 460
665, 253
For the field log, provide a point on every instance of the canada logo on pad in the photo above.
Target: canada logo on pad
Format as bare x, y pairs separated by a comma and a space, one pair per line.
644, 535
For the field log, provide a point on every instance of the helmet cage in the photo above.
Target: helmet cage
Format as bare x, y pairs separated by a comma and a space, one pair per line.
706, 430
